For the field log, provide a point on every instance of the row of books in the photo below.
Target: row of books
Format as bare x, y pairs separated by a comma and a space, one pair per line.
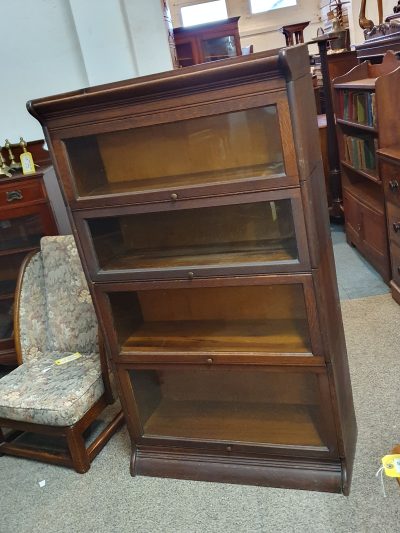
356, 106
360, 151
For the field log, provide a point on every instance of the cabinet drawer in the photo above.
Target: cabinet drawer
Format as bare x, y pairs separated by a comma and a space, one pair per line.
233, 409
216, 321
390, 172
263, 232
12, 194
395, 257
393, 216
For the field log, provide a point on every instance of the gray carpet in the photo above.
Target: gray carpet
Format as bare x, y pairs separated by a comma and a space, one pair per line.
107, 499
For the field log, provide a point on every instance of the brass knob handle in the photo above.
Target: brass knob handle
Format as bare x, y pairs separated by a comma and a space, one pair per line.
394, 185
229, 448
14, 195
396, 227
174, 196
358, 227
209, 361
190, 275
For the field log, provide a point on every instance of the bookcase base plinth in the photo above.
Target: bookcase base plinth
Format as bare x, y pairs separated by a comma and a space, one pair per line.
301, 474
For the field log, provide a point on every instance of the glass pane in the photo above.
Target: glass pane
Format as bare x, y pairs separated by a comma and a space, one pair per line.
221, 148
185, 54
219, 48
204, 12
20, 232
246, 319
237, 404
9, 269
232, 234
6, 318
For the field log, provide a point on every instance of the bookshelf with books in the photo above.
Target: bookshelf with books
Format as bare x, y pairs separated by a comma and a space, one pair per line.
367, 117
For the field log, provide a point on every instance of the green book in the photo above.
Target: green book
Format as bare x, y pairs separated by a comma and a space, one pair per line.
361, 108
346, 105
355, 156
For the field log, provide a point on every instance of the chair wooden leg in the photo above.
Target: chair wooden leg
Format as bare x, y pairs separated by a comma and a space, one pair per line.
77, 449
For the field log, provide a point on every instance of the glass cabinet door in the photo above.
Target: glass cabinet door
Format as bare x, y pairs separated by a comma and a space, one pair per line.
185, 54
243, 320
9, 269
205, 150
21, 232
204, 237
218, 48
239, 405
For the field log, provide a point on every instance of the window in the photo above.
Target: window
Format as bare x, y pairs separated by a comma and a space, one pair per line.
205, 12
258, 6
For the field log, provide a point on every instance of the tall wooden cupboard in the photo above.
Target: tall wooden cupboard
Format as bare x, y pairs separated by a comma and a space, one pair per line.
198, 204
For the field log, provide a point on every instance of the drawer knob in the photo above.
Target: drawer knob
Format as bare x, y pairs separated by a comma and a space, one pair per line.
174, 196
190, 275
394, 185
209, 361
14, 195
396, 226
229, 448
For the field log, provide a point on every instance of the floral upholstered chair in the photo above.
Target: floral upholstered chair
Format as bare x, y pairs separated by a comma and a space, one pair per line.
54, 318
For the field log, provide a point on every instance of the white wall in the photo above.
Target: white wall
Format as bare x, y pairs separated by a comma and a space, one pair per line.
40, 56
261, 30
55, 46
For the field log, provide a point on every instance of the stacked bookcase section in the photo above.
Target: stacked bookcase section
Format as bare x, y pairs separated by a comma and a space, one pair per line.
365, 111
198, 203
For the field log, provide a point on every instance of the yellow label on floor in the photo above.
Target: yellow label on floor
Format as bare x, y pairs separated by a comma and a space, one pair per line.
391, 465
68, 358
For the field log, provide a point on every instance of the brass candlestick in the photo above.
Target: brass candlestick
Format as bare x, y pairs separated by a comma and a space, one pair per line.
4, 169
23, 144
13, 164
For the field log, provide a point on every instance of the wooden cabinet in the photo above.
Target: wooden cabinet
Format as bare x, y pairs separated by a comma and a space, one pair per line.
366, 115
207, 42
389, 163
199, 211
25, 217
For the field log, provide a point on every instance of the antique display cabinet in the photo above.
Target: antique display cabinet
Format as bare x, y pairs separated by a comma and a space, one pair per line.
198, 203
25, 217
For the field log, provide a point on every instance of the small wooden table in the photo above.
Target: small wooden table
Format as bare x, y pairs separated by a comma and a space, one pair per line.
295, 30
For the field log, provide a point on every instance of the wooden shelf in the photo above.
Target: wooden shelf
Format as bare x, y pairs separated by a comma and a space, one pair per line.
369, 174
392, 153
240, 336
290, 425
366, 83
357, 125
245, 253
15, 251
367, 193
7, 296
235, 174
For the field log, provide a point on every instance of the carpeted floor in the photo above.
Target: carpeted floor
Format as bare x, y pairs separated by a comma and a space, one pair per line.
107, 499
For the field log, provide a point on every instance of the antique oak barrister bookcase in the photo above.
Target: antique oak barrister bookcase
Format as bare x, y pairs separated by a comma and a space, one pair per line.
198, 204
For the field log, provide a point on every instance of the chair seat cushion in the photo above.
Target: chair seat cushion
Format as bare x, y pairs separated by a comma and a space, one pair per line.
42, 392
